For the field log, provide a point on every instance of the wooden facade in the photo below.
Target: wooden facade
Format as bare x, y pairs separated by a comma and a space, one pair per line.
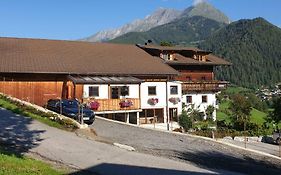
211, 86
114, 104
39, 92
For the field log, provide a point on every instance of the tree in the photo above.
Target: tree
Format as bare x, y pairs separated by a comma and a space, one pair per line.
241, 111
275, 115
185, 120
166, 43
209, 112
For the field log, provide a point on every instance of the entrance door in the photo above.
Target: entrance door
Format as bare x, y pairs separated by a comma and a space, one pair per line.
173, 113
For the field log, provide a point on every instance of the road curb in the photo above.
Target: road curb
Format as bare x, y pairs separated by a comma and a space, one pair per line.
126, 147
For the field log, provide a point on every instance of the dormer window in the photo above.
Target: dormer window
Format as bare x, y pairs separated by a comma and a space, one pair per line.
200, 57
167, 56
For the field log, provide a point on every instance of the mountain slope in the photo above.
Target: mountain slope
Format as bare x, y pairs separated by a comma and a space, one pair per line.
206, 10
185, 31
254, 48
159, 17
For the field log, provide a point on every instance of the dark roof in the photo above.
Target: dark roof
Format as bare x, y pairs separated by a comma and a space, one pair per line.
211, 60
185, 60
103, 80
18, 55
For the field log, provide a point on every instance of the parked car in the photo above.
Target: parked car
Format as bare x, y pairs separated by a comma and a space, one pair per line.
70, 108
277, 137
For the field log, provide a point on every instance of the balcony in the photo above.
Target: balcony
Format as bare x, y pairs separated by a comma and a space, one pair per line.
100, 105
214, 86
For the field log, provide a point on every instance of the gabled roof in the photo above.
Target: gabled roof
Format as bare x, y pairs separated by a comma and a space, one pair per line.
181, 55
18, 55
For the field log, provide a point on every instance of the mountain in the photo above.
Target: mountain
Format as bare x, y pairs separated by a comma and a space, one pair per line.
184, 31
254, 48
159, 17
193, 25
206, 10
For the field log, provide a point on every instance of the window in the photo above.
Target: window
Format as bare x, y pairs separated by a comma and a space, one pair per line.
151, 90
173, 90
93, 91
188, 99
204, 99
203, 78
124, 90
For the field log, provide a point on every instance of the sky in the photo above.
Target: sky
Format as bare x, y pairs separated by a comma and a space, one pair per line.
76, 19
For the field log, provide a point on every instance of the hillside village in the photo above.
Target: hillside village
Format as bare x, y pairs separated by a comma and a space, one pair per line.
178, 92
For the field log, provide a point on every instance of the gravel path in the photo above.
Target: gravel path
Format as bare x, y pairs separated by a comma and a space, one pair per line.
184, 148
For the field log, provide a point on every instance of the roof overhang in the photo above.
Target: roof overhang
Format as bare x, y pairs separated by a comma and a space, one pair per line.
78, 79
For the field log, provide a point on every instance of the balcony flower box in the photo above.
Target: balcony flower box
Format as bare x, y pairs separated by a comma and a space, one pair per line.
126, 103
153, 101
174, 100
94, 105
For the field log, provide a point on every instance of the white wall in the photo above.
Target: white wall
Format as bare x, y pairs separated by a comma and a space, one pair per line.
160, 94
197, 101
103, 91
161, 91
179, 95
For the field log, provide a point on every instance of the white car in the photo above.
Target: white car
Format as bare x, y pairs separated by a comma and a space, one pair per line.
277, 137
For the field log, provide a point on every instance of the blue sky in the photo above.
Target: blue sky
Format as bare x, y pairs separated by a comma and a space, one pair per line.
74, 19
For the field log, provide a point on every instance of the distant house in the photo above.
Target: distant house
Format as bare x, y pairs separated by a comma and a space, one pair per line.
121, 82
196, 68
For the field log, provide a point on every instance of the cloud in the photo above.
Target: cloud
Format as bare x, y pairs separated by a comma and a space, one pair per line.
195, 2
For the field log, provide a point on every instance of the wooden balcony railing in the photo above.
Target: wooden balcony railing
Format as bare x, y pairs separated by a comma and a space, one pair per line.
204, 86
114, 104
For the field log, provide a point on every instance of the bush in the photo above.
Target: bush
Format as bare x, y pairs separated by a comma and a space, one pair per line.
185, 121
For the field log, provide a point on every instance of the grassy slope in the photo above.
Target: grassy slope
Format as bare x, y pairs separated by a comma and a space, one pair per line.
7, 105
21, 165
257, 116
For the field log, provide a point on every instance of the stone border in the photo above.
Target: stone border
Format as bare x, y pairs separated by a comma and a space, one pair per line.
40, 108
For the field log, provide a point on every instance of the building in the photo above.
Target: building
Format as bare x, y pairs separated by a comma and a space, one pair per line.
121, 82
196, 68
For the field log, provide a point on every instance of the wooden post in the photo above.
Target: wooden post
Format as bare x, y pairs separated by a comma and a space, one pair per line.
138, 118
63, 92
154, 117
145, 115
74, 91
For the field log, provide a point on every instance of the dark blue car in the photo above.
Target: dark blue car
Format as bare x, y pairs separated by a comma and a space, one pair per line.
70, 108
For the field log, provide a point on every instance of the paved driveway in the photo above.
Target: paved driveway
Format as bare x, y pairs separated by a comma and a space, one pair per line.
87, 156
196, 151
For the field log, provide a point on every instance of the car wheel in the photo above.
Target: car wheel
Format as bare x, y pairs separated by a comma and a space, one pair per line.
278, 141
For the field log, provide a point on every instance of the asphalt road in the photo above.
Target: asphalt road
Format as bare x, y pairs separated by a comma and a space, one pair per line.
87, 156
190, 150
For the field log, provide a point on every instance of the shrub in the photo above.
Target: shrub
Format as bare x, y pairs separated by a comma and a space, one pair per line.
185, 121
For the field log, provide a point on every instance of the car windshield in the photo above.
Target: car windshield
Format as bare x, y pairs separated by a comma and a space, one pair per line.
70, 104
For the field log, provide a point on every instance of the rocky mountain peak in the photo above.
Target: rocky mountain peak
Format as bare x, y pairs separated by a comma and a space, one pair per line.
206, 10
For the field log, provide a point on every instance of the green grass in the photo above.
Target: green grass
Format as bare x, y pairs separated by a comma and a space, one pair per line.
222, 116
14, 108
235, 90
257, 116
11, 164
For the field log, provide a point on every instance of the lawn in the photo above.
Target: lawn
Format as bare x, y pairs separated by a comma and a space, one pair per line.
235, 90
257, 116
21, 165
